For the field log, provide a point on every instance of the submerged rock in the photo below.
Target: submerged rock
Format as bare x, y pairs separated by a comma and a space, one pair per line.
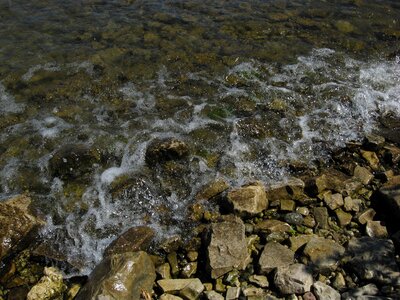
50, 286
249, 199
120, 276
18, 226
227, 248
161, 150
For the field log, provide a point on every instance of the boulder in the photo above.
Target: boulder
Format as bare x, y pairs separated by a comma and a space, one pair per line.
293, 279
74, 161
49, 287
227, 247
373, 260
134, 239
120, 276
324, 292
273, 256
249, 199
162, 150
18, 226
324, 254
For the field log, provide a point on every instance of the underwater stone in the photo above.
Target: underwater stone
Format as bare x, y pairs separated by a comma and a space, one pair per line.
161, 150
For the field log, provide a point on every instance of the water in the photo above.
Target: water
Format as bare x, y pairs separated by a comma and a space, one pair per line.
251, 88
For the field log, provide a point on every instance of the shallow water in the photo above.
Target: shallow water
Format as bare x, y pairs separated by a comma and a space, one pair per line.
251, 88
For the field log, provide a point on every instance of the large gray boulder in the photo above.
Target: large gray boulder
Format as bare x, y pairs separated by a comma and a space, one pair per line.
373, 260
17, 224
120, 277
227, 248
273, 256
293, 279
250, 199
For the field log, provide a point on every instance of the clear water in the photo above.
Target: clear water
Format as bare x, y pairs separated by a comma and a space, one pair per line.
251, 87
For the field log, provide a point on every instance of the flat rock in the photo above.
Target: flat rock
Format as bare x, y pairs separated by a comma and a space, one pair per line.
273, 256
227, 248
324, 254
373, 260
271, 226
120, 276
249, 199
324, 292
18, 227
134, 239
293, 279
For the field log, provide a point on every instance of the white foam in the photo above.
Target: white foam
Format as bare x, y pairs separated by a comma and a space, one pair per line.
7, 102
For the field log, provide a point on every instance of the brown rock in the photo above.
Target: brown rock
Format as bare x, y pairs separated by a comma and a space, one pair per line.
275, 255
292, 189
363, 175
18, 227
371, 158
375, 229
134, 239
366, 215
249, 199
271, 226
212, 189
321, 217
331, 180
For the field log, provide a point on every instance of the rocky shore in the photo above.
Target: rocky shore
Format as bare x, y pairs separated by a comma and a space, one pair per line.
330, 232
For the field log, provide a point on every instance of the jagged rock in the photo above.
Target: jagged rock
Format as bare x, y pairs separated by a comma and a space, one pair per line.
273, 256
49, 287
324, 254
343, 217
74, 161
324, 291
366, 215
293, 189
389, 197
134, 239
331, 180
299, 241
376, 230
287, 205
321, 217
18, 227
227, 248
213, 295
363, 175
371, 158
260, 280
193, 290
373, 260
271, 226
232, 293
351, 204
212, 189
120, 276
333, 201
249, 199
293, 279
161, 150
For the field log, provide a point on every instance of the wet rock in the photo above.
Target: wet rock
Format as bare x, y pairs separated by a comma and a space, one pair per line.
373, 260
388, 198
50, 286
249, 199
161, 150
344, 26
371, 158
74, 161
293, 279
134, 239
18, 227
373, 142
273, 256
173, 262
272, 226
294, 218
212, 189
321, 217
164, 271
324, 254
324, 291
333, 201
120, 276
363, 175
227, 248
375, 229
189, 270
